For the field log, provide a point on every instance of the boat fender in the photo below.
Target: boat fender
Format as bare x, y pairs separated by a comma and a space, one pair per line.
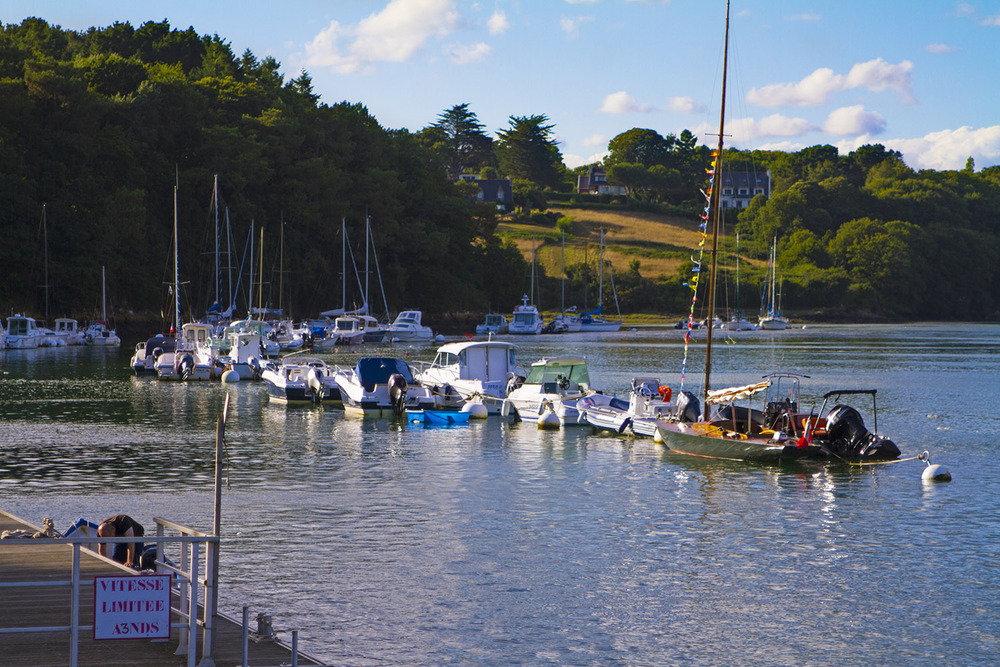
231, 375
548, 420
936, 473
476, 410
665, 393
505, 408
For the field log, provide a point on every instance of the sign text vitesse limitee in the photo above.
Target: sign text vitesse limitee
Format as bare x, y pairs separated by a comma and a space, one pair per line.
132, 607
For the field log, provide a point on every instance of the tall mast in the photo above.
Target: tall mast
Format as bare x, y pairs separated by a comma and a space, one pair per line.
600, 280
177, 274
45, 242
215, 199
715, 206
343, 264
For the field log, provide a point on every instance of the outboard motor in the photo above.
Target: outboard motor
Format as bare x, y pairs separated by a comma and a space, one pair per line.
185, 366
255, 368
514, 381
688, 407
315, 385
849, 437
397, 393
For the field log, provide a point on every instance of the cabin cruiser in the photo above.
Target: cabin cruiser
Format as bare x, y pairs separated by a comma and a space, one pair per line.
527, 319
69, 330
23, 333
192, 358
648, 401
348, 330
554, 385
383, 386
244, 350
98, 333
471, 371
407, 328
495, 323
300, 381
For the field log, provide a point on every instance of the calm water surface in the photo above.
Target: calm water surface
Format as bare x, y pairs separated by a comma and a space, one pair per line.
387, 543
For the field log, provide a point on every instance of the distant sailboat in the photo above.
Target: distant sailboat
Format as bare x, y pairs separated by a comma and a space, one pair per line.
588, 323
771, 318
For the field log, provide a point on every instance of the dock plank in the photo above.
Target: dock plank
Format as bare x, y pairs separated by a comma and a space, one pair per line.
32, 560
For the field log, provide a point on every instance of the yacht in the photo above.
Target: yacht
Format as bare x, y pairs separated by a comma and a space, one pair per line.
527, 319
495, 323
407, 328
23, 333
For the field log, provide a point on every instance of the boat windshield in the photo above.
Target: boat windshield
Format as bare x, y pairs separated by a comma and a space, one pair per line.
376, 370
524, 318
345, 325
576, 373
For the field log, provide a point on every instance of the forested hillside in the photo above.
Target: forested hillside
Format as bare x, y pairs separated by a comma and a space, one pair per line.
97, 128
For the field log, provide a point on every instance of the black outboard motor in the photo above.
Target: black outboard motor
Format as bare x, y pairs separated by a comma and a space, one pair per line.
688, 407
397, 393
514, 381
849, 438
185, 366
255, 368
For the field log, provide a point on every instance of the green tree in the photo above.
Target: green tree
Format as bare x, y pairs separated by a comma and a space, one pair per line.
528, 150
459, 137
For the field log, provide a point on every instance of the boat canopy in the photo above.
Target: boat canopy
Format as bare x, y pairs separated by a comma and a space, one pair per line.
730, 394
376, 370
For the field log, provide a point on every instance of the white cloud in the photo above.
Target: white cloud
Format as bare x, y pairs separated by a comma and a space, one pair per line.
622, 102
991, 20
573, 161
498, 23
941, 48
595, 140
686, 105
949, 149
572, 26
749, 131
817, 88
471, 53
393, 35
854, 121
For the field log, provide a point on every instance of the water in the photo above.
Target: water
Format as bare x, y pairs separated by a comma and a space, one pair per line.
497, 544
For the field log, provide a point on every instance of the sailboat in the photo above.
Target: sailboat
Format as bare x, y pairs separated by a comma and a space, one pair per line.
567, 321
770, 317
779, 431
98, 332
737, 322
589, 323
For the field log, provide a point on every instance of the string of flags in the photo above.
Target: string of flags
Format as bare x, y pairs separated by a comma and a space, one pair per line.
696, 269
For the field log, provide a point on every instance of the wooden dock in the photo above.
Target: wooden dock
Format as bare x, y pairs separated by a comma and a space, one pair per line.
44, 559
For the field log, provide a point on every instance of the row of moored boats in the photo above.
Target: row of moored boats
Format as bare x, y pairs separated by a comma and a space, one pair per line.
24, 333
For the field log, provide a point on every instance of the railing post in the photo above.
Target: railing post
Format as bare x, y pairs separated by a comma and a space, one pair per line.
193, 606
182, 602
246, 636
74, 638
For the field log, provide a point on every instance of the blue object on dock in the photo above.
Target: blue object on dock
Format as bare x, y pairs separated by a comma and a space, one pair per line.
88, 528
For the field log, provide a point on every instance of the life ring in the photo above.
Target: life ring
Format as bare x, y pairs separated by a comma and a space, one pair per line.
664, 392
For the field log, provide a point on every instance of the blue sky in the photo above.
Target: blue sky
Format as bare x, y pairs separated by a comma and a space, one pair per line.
918, 77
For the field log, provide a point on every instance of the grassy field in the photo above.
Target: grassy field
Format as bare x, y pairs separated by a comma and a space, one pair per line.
660, 243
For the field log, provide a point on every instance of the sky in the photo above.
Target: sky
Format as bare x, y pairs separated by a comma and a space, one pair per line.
920, 77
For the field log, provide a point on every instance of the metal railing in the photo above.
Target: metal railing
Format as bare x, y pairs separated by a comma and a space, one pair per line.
195, 548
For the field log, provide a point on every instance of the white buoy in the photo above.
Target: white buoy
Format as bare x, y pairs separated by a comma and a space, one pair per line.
476, 410
231, 375
657, 436
936, 473
548, 419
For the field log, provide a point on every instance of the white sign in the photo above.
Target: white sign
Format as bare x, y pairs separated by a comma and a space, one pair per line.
132, 607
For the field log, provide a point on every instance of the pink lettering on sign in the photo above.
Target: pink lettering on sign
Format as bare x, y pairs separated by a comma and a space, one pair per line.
132, 607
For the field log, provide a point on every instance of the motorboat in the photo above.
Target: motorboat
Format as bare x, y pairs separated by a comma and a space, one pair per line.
375, 331
648, 401
553, 385
69, 330
568, 322
302, 380
381, 387
97, 333
287, 336
407, 328
348, 330
23, 333
495, 323
245, 351
146, 354
526, 319
471, 371
192, 358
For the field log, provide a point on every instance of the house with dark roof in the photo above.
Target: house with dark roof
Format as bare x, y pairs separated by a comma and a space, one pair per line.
741, 183
595, 182
498, 190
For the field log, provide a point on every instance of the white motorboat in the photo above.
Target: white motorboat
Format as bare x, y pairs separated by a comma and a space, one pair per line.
23, 333
526, 320
554, 385
648, 401
98, 333
192, 358
302, 380
407, 328
69, 330
348, 330
375, 331
381, 387
146, 354
495, 323
470, 372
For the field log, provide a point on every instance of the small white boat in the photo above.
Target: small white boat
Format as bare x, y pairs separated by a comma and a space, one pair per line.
23, 333
473, 371
192, 358
348, 330
146, 354
526, 320
245, 351
69, 330
554, 385
407, 327
648, 401
495, 323
382, 387
302, 380
375, 331
98, 333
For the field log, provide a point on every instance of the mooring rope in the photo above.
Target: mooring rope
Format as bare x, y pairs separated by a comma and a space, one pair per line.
923, 456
